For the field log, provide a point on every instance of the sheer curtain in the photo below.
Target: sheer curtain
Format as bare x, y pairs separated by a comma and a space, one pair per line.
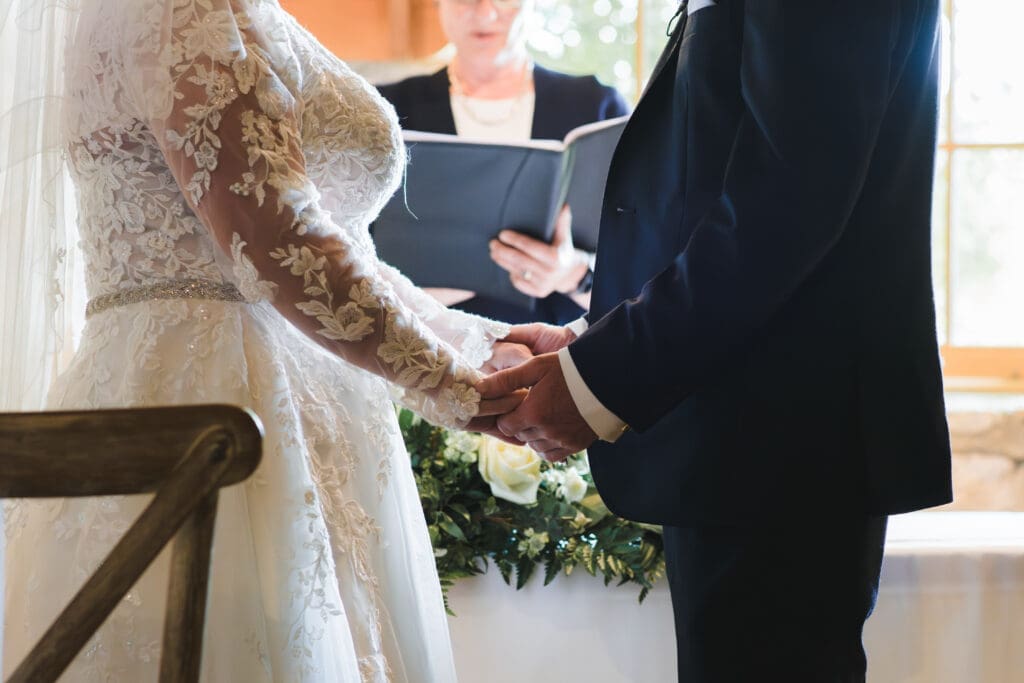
40, 304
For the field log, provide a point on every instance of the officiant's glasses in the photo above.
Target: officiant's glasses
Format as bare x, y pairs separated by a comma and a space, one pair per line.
502, 5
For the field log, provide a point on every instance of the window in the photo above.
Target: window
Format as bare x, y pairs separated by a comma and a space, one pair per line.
979, 195
979, 188
619, 40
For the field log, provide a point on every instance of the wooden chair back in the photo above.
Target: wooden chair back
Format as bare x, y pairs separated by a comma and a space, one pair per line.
185, 455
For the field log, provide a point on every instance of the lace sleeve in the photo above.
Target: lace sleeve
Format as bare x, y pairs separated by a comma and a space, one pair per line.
472, 335
208, 82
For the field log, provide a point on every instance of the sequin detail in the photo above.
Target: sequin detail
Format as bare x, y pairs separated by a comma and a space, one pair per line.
172, 289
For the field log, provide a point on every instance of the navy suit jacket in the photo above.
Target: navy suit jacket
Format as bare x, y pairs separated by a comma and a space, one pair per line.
562, 102
762, 314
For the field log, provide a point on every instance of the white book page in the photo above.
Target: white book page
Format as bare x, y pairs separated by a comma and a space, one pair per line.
589, 128
422, 136
551, 145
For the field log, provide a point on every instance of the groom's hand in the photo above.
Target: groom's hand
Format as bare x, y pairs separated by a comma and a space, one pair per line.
491, 409
541, 338
547, 419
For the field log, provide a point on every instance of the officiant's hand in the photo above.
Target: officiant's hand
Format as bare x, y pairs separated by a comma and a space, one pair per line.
537, 269
540, 337
547, 419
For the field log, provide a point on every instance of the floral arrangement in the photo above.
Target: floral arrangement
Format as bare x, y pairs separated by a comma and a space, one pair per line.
486, 502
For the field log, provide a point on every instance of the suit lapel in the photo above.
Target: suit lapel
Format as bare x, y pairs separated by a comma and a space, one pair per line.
668, 54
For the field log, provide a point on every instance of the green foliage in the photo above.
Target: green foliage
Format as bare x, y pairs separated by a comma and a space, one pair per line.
470, 528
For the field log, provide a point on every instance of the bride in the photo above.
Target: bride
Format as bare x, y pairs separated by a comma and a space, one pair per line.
227, 167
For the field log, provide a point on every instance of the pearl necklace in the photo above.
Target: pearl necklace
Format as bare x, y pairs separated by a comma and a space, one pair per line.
514, 107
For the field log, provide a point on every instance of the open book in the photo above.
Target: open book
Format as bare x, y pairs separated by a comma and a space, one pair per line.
459, 193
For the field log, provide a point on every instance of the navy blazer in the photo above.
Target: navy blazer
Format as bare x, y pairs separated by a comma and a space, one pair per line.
562, 102
762, 314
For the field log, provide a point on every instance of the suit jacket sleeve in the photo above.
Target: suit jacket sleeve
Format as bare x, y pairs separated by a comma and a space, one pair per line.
815, 79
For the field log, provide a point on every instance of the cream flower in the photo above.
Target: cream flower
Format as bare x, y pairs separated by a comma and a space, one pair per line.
121, 250
362, 293
553, 477
347, 323
403, 346
206, 156
301, 261
461, 400
513, 472
406, 352
245, 68
461, 447
157, 245
247, 278
273, 97
534, 543
215, 36
574, 487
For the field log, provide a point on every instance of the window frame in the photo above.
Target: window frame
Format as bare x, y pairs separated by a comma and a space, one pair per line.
967, 368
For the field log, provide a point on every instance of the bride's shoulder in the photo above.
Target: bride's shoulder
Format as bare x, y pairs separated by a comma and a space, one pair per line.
210, 16
181, 30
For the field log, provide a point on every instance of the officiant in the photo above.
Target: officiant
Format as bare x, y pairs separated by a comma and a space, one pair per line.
492, 90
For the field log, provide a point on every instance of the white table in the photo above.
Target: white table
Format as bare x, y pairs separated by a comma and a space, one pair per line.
950, 610
951, 601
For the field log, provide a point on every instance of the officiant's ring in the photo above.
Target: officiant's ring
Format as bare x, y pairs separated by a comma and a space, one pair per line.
527, 275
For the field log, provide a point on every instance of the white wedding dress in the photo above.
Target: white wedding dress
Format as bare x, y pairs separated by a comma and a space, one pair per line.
322, 567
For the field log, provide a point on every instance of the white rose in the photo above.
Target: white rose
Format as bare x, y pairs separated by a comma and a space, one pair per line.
575, 486
512, 471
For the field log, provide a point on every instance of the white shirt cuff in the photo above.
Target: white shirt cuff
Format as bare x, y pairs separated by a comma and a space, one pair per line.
578, 326
604, 422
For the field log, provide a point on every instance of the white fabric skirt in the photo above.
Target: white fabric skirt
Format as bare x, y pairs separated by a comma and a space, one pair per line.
322, 568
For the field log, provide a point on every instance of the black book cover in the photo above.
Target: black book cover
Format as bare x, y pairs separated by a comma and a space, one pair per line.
459, 193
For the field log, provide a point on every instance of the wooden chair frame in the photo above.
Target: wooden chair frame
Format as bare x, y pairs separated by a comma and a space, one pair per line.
183, 454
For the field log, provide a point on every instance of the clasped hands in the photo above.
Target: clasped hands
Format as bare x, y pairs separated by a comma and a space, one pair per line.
525, 399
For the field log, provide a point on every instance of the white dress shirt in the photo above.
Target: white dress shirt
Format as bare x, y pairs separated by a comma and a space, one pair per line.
606, 424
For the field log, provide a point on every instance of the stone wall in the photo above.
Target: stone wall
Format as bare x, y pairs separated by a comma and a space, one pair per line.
988, 460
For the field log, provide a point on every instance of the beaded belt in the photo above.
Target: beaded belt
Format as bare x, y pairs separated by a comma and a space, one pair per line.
173, 289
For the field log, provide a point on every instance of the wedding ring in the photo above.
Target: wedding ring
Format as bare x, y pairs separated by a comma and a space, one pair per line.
527, 275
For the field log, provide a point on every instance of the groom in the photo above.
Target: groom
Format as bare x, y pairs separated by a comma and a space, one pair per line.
763, 322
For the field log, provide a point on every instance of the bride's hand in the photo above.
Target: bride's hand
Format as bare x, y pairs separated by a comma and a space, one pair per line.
540, 337
505, 354
491, 409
